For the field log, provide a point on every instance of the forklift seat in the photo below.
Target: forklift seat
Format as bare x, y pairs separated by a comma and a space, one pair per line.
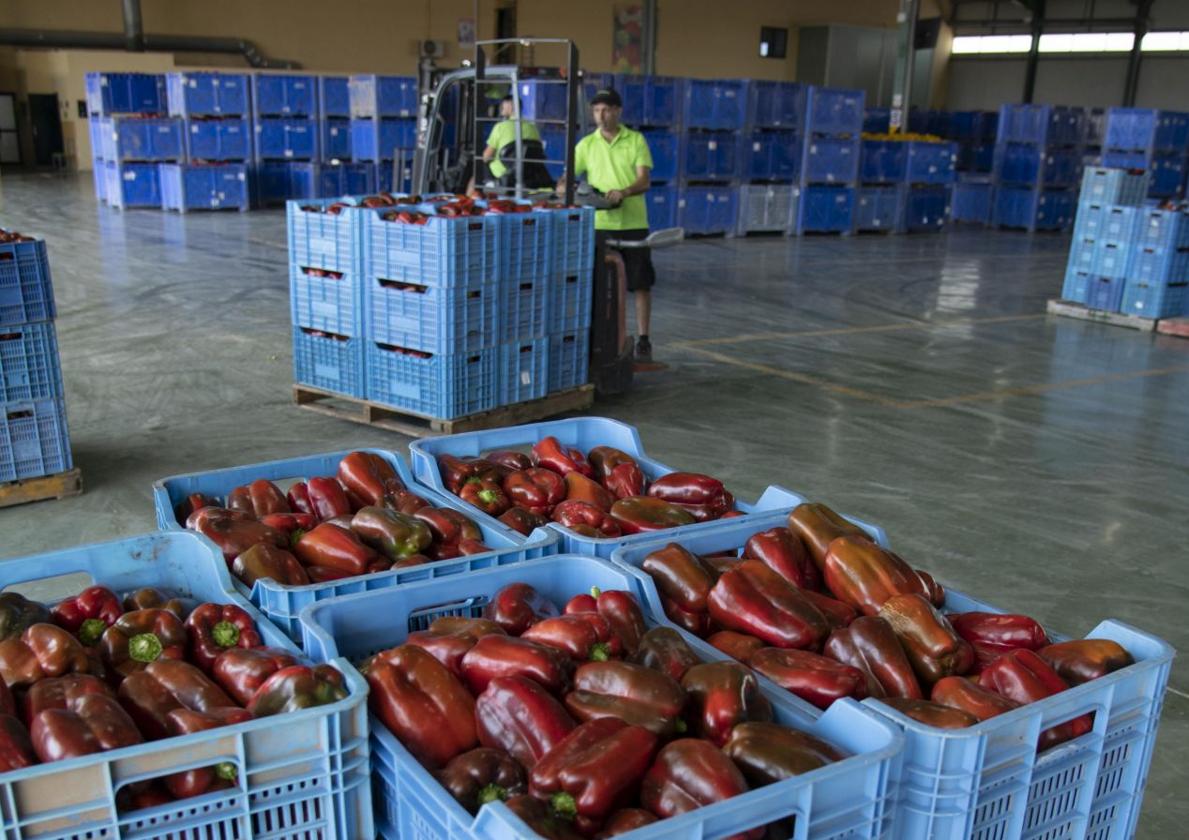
536, 176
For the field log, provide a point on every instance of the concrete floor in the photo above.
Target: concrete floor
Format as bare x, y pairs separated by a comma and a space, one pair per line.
1039, 463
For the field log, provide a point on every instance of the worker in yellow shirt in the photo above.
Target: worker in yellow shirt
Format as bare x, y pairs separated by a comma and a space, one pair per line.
617, 163
503, 133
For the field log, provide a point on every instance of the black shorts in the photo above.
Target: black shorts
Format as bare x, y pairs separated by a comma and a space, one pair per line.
637, 262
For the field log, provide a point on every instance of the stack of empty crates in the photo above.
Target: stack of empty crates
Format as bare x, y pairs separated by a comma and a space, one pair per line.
972, 193
1145, 138
131, 134
339, 174
285, 137
651, 105
905, 185
384, 125
33, 436
215, 113
771, 151
1038, 162
709, 157
830, 160
1127, 256
443, 318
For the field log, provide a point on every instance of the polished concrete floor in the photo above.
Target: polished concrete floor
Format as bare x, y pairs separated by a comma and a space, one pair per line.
1040, 463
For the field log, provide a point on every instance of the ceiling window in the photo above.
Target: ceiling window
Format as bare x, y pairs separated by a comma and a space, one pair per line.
1056, 43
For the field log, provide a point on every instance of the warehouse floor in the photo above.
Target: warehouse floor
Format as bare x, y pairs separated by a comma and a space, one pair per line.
1037, 462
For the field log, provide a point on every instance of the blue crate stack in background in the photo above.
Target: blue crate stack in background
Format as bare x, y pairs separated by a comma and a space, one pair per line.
652, 105
709, 158
339, 173
285, 137
34, 440
1145, 138
1127, 256
383, 111
216, 117
906, 184
830, 160
1038, 162
771, 149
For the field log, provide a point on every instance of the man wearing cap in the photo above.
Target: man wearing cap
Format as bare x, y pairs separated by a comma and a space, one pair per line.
616, 161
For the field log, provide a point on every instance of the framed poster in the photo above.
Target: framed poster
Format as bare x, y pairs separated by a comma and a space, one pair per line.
627, 38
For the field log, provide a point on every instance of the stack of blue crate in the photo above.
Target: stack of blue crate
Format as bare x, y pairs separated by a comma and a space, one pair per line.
1145, 138
384, 125
905, 184
569, 290
339, 174
1127, 256
877, 120
771, 152
710, 158
651, 105
130, 134
215, 113
1038, 162
34, 440
974, 132
285, 137
830, 160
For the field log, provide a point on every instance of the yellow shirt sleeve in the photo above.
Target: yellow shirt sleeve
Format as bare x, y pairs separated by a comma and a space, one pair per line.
643, 155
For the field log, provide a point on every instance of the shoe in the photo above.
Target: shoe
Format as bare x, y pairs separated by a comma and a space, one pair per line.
643, 349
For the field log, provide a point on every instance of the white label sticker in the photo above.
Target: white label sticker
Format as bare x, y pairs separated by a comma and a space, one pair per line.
813, 149
129, 176
712, 145
755, 147
194, 83
320, 245
526, 378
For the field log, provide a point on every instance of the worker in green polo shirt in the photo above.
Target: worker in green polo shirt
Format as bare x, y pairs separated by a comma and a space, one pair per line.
503, 133
616, 162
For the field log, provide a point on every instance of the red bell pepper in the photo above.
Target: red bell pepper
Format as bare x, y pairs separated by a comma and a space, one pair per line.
933, 648
645, 514
241, 671
16, 750
329, 546
738, 646
662, 649
517, 715
59, 693
783, 552
214, 628
751, 598
625, 820
292, 525
167, 684
299, 499
961, 693
509, 459
485, 494
480, 776
259, 499
393, 534
541, 820
201, 780
85, 724
535, 489
582, 636
328, 498
618, 472
1021, 675
149, 598
422, 703
450, 646
768, 752
89, 613
402, 501
522, 521
449, 526
932, 714
579, 488
517, 607
232, 533
141, 637
43, 650
368, 479
932, 590
620, 608
702, 496
688, 774
633, 693
870, 644
193, 502
1082, 660
695, 623
586, 519
498, 655
297, 687
721, 695
860, 573
594, 770
836, 612
18, 613
815, 679
818, 526
455, 471
1002, 631
267, 562
681, 576
550, 454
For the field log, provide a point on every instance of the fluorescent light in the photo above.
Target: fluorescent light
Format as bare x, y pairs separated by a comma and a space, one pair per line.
1166, 42
1067, 42
991, 44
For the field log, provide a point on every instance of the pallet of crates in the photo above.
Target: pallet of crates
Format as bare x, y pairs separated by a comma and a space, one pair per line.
925, 191
1158, 273
215, 110
883, 165
130, 133
1150, 139
1038, 161
771, 153
286, 138
710, 160
830, 160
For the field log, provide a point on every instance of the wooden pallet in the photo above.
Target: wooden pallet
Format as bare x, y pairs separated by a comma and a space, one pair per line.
1069, 309
419, 425
42, 488
1173, 326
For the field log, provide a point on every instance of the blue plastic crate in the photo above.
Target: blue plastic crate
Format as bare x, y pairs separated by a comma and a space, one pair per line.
767, 208
1161, 228
386, 178
279, 181
208, 94
286, 138
441, 386
569, 301
281, 603
1107, 222
1023, 163
771, 156
847, 798
830, 160
878, 208
877, 120
130, 139
226, 139
445, 251
125, 93
132, 185
1157, 266
522, 371
34, 439
569, 360
708, 209
99, 179
378, 139
710, 156
1132, 161
29, 368
883, 161
334, 97
543, 99
776, 105
1168, 175
1101, 185
1146, 128
318, 239
663, 145
1033, 209
930, 163
336, 140
222, 186
584, 433
305, 776
987, 781
1112, 259
1076, 285
926, 208
834, 111
1024, 123
572, 236
435, 319
382, 96
1155, 300
714, 104
330, 362
1105, 293
826, 209
26, 292
522, 308
524, 245
970, 201
339, 179
324, 300
284, 95
662, 206
648, 100
976, 157
1082, 253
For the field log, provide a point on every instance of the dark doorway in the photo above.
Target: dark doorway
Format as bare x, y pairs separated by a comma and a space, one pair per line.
10, 145
505, 27
47, 128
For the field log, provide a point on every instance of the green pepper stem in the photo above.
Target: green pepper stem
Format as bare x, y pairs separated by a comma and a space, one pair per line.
225, 634
145, 647
564, 805
488, 496
90, 630
680, 726
595, 592
600, 652
227, 771
492, 793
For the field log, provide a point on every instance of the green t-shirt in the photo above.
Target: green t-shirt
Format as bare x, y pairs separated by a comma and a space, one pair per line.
612, 166
503, 133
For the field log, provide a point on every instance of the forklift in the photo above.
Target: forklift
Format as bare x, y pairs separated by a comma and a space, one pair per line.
455, 118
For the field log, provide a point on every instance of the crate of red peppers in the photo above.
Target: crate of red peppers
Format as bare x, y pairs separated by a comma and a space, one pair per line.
543, 699
299, 530
26, 293
151, 701
587, 477
1011, 731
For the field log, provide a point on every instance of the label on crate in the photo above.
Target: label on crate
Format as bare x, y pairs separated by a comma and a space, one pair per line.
712, 145
320, 245
324, 371
755, 147
325, 309
526, 377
